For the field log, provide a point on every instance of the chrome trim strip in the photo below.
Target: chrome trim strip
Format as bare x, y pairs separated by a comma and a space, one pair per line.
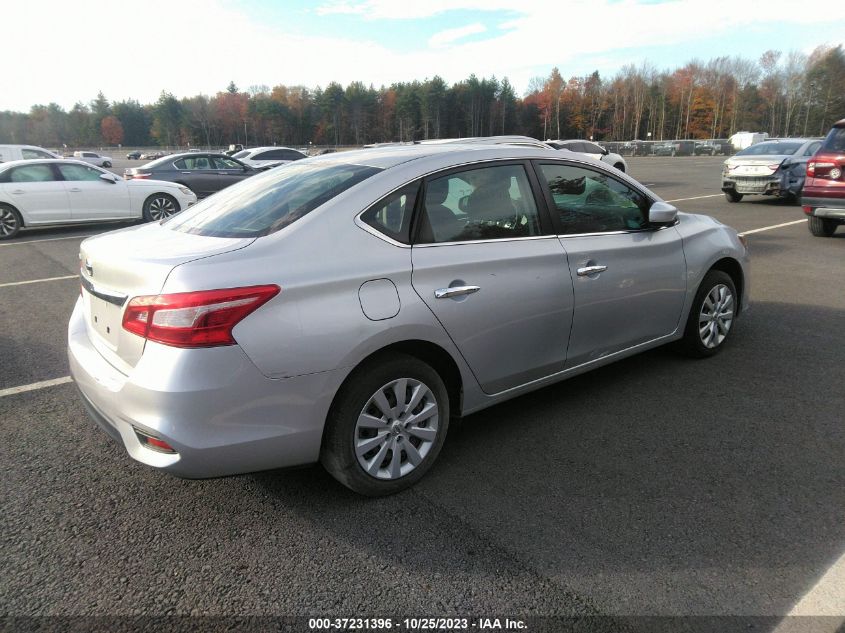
501, 239
108, 296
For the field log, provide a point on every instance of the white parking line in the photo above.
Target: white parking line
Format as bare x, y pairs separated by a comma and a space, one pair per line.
11, 391
49, 239
37, 281
773, 226
825, 601
714, 195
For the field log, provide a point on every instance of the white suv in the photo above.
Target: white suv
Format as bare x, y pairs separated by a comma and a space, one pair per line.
24, 152
93, 158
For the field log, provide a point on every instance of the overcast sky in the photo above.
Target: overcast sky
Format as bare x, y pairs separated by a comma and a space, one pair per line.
68, 51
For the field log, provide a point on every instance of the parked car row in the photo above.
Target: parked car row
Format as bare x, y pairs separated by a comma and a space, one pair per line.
41, 192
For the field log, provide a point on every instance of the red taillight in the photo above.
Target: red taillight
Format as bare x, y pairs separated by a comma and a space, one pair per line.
811, 168
153, 442
194, 319
807, 210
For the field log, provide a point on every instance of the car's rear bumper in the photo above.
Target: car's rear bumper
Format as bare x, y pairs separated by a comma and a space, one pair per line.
824, 206
212, 405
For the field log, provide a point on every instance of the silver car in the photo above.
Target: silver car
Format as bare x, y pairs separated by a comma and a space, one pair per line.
774, 167
345, 308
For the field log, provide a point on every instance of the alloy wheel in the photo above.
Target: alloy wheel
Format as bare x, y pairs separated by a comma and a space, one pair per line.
716, 316
396, 429
8, 222
161, 208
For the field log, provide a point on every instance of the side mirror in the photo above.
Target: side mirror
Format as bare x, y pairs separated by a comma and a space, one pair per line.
109, 178
463, 203
662, 213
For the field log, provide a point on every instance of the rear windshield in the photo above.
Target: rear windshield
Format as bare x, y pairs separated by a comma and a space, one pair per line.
835, 141
761, 149
266, 203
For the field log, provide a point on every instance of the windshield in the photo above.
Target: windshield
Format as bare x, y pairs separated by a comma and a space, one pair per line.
761, 149
242, 153
271, 201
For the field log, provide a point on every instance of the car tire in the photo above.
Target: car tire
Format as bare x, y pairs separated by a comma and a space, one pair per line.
715, 305
620, 167
357, 422
673, 152
10, 222
107, 165
160, 206
733, 196
821, 227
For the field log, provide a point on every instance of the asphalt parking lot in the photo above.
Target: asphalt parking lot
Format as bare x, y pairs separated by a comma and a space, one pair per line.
658, 485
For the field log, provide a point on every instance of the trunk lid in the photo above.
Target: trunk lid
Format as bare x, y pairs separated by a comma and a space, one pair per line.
120, 265
754, 165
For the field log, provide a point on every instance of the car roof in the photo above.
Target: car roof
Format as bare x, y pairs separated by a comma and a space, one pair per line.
391, 156
44, 161
267, 148
25, 146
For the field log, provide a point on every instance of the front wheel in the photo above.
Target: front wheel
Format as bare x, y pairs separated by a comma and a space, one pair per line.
733, 196
107, 165
620, 167
711, 316
386, 426
821, 227
160, 206
10, 222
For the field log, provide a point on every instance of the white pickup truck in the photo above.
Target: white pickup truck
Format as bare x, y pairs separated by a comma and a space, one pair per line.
94, 158
24, 152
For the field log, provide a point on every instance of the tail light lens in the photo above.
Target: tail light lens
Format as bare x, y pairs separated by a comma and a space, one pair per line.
136, 176
774, 166
194, 319
819, 169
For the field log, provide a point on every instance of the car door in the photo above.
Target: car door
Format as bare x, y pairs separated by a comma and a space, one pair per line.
488, 265
629, 278
90, 196
198, 173
36, 191
230, 171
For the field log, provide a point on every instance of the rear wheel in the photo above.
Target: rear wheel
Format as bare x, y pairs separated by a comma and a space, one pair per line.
107, 164
160, 206
10, 222
733, 196
386, 426
711, 316
620, 167
821, 227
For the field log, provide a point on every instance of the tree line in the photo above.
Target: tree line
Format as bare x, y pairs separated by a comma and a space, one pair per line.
785, 95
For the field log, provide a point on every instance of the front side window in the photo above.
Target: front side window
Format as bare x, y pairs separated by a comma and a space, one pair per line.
589, 201
32, 173
78, 172
479, 204
30, 154
392, 215
269, 202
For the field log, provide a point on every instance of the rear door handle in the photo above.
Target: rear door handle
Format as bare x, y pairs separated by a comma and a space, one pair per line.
591, 270
18, 191
455, 291
75, 189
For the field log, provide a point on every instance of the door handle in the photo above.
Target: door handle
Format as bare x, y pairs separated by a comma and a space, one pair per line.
75, 189
18, 191
591, 270
455, 291
187, 173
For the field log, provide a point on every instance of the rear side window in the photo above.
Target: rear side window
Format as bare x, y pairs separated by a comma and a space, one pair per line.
32, 173
29, 154
835, 141
392, 215
193, 163
269, 202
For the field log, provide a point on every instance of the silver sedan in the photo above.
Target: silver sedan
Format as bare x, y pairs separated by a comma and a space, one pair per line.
345, 308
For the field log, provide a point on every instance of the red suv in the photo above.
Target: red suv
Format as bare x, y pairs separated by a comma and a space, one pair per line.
823, 197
